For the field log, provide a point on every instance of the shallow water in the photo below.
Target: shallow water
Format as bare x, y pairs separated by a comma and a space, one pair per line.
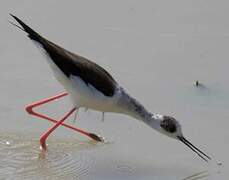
21, 158
156, 50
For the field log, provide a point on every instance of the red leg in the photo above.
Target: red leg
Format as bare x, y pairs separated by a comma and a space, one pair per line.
47, 133
30, 110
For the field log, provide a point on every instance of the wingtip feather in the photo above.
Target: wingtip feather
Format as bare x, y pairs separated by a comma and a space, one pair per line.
31, 33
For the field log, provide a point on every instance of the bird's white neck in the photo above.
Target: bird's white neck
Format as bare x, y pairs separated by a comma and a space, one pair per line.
135, 109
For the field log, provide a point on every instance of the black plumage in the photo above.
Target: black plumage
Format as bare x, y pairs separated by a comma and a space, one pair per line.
72, 64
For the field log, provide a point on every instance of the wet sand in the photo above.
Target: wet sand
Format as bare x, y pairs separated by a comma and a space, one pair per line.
156, 50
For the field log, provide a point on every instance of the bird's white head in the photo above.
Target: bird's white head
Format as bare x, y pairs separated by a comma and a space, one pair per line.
170, 127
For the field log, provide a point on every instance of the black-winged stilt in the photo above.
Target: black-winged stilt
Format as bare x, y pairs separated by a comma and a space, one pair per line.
91, 86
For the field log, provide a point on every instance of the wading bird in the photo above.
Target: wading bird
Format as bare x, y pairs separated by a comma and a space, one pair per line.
92, 87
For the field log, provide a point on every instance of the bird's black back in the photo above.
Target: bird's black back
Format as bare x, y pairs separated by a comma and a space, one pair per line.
72, 64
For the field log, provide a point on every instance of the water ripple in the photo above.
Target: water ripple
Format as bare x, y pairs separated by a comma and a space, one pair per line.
21, 159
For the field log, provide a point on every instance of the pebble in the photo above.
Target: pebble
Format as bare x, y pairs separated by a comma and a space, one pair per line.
197, 83
219, 163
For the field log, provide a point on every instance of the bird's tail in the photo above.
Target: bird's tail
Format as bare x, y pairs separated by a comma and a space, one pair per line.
31, 33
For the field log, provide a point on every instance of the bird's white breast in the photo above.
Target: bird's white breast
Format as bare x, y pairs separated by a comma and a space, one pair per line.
82, 94
86, 95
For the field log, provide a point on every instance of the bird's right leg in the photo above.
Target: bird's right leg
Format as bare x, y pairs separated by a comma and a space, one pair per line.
49, 131
30, 110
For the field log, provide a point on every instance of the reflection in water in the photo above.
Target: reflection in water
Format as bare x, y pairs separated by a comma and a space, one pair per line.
20, 159
197, 176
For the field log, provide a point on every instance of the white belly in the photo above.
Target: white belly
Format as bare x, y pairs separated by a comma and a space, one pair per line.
85, 95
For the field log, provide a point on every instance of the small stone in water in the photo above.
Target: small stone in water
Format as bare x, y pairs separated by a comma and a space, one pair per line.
219, 163
197, 83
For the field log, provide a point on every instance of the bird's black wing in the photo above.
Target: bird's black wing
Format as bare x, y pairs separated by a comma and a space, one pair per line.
72, 64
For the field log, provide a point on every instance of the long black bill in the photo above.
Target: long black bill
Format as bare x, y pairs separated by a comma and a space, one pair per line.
195, 149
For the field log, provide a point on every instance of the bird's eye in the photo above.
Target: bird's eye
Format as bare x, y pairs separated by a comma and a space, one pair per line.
168, 124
